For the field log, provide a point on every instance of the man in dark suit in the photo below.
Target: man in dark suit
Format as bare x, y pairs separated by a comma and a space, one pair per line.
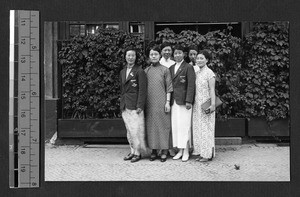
132, 103
183, 80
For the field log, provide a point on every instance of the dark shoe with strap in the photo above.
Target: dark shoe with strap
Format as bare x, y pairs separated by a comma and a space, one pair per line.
163, 158
129, 157
153, 155
136, 158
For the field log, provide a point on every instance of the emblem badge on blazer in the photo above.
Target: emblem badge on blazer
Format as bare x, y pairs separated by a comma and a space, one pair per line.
133, 81
182, 79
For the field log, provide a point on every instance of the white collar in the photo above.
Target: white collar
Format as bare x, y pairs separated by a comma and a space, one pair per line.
166, 60
179, 63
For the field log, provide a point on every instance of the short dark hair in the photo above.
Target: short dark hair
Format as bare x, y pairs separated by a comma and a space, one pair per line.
179, 47
165, 44
193, 47
131, 48
206, 54
154, 48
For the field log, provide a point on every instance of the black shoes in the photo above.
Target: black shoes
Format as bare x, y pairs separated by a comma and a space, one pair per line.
132, 157
153, 155
136, 158
129, 157
163, 158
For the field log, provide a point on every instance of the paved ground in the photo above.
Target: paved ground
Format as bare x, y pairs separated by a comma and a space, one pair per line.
247, 162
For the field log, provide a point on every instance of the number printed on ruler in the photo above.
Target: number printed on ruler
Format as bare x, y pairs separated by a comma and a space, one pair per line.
28, 99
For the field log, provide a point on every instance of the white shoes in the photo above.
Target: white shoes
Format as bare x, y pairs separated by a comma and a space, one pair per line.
185, 157
177, 156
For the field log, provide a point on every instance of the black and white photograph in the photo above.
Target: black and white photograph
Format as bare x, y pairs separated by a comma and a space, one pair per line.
149, 98
166, 101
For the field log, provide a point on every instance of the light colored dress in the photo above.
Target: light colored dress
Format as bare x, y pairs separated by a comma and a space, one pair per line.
158, 122
135, 126
203, 124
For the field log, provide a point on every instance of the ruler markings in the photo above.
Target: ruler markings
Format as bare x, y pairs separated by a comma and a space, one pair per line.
28, 113
29, 73
30, 107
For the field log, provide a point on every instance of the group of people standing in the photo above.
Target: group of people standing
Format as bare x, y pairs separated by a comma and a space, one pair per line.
161, 105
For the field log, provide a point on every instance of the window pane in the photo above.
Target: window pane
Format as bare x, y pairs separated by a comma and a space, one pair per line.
112, 26
137, 28
82, 30
74, 30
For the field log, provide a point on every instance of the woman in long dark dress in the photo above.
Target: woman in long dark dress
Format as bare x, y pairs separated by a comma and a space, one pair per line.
158, 117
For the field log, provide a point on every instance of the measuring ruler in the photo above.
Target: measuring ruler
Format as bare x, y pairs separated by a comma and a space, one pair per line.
25, 109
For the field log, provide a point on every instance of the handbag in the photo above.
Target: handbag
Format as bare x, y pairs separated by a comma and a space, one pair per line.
207, 103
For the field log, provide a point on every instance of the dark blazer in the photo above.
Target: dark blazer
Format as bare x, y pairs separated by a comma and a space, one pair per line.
133, 89
183, 84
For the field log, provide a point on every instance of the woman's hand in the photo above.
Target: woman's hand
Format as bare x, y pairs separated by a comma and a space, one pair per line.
188, 106
167, 107
138, 110
211, 109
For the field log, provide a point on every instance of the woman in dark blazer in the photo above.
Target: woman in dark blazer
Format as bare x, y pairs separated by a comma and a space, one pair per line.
182, 98
133, 98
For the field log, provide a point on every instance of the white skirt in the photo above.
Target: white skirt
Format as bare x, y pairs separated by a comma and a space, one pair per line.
181, 125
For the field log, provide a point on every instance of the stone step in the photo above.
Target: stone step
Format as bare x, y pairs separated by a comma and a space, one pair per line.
228, 140
69, 141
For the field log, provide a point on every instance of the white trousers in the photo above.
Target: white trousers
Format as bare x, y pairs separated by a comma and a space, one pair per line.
135, 126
